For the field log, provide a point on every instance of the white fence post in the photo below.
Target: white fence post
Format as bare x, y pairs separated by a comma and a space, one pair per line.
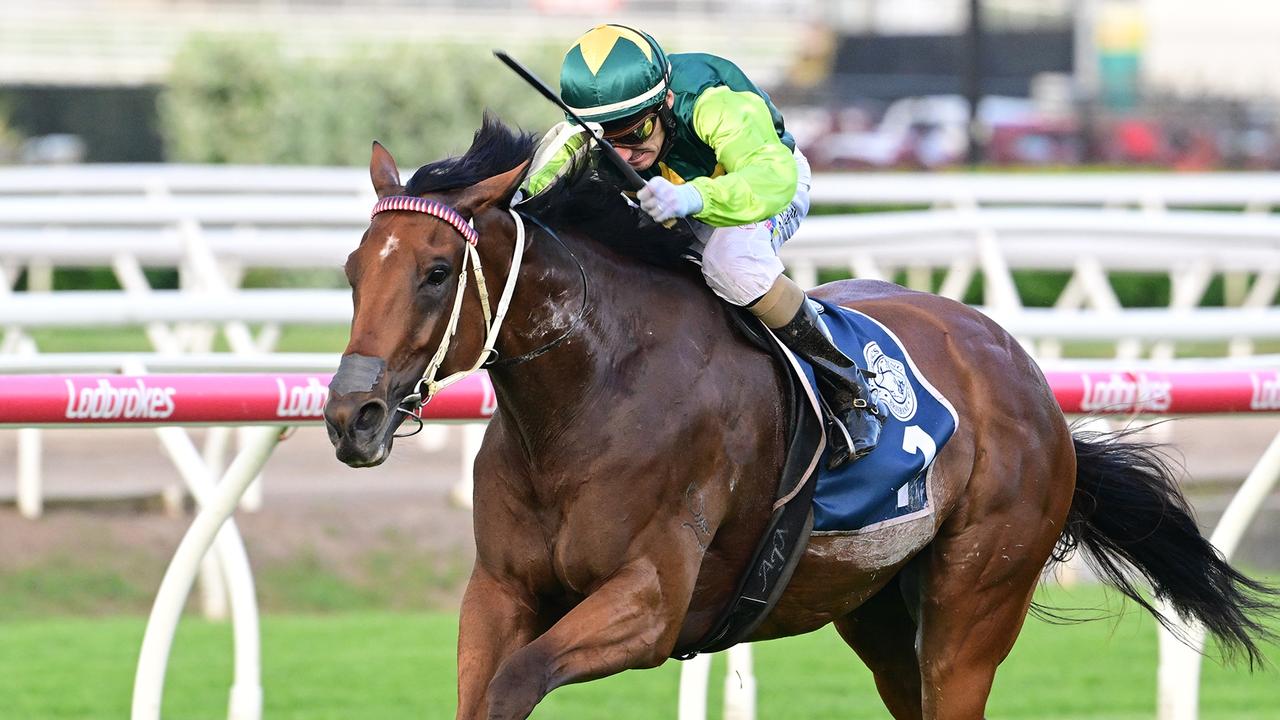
30, 495
739, 685
695, 675
216, 505
472, 437
251, 500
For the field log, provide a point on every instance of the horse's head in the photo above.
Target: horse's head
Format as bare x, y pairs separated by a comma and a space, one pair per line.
405, 280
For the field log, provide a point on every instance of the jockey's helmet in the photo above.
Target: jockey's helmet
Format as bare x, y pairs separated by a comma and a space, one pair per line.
614, 72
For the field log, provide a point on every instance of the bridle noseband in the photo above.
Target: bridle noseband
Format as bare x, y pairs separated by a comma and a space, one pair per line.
427, 386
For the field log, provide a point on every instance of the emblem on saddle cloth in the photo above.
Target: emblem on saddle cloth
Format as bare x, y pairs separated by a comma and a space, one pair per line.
890, 383
890, 485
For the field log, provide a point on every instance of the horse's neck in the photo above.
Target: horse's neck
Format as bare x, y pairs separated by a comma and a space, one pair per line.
620, 326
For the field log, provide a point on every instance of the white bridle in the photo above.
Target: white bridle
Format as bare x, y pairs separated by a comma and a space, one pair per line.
427, 387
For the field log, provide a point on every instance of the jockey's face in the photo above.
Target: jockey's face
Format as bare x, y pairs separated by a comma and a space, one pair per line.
642, 155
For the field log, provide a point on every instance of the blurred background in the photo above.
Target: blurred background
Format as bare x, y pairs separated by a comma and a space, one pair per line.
1171, 84
1114, 198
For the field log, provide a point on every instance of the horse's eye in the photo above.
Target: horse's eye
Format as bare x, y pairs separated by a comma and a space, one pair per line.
437, 275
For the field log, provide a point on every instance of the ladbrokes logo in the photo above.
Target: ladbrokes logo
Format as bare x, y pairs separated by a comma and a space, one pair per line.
301, 400
107, 402
1121, 393
1266, 392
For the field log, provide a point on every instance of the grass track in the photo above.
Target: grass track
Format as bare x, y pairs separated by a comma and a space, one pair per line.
389, 666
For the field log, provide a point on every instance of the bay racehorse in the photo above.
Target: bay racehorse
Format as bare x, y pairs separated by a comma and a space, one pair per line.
631, 465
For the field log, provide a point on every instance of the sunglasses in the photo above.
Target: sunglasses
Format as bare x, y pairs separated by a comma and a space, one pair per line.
635, 133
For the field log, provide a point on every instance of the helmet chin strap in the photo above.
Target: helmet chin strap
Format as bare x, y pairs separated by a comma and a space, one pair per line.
667, 116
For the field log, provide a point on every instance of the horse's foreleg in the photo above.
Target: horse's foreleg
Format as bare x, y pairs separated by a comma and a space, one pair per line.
631, 621
493, 623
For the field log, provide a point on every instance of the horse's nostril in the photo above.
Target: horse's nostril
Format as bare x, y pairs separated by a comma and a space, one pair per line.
370, 416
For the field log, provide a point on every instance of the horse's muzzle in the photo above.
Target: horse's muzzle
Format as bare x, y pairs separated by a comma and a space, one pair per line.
358, 420
359, 428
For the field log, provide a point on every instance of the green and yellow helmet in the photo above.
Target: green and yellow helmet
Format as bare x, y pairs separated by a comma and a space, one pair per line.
613, 72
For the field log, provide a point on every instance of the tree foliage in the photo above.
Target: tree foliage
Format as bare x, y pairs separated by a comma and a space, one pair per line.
244, 99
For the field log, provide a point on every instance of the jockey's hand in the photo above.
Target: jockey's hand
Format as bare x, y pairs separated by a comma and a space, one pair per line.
664, 200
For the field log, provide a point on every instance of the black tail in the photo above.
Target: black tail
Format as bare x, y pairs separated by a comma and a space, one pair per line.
1129, 512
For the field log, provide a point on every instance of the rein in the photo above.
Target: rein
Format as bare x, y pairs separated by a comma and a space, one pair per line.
428, 385
505, 362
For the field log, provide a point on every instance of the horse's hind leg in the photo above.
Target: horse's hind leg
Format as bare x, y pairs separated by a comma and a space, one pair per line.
883, 634
977, 579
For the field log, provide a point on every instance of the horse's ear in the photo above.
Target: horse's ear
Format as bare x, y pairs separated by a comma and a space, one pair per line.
383, 172
495, 191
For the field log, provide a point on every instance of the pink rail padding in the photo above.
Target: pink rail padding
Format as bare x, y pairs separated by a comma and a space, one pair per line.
298, 398
1166, 393
213, 399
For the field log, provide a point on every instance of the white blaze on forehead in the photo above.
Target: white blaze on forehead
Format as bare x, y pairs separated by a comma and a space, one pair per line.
392, 243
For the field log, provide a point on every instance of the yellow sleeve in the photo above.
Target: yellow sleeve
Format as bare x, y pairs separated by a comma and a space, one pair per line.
562, 143
760, 172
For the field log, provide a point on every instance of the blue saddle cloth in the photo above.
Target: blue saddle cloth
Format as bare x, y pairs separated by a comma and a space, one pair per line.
889, 485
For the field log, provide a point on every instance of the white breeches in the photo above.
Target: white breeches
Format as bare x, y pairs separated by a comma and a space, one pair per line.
741, 262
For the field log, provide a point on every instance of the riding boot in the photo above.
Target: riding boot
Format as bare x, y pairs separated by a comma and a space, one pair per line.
856, 414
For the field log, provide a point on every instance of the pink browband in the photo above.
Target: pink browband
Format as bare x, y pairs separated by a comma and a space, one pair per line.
429, 207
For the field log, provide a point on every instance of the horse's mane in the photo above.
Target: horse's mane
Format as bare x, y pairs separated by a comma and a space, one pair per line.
589, 200
495, 149
586, 200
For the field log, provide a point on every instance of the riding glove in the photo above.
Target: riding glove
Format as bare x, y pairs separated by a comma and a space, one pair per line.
664, 200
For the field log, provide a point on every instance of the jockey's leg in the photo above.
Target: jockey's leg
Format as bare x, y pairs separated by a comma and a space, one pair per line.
741, 266
858, 414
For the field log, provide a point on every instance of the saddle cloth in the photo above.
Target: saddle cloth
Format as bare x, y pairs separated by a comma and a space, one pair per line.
890, 485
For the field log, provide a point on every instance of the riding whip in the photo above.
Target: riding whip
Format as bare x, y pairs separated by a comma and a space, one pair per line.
628, 173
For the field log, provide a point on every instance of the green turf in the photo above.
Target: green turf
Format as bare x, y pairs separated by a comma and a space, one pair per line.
386, 666
293, 338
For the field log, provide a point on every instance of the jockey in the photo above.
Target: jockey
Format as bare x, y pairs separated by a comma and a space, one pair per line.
714, 149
